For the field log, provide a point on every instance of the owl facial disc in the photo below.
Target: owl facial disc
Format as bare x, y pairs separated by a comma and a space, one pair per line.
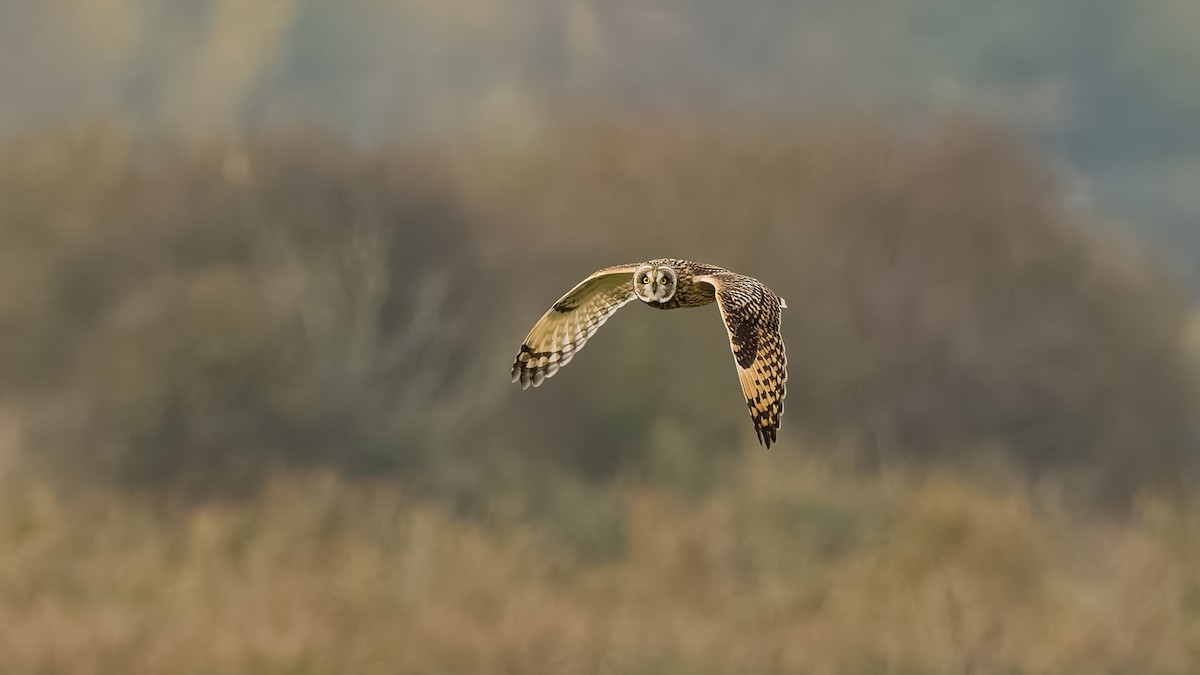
654, 283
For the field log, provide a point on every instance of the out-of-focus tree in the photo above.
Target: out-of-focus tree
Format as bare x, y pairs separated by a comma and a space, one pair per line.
194, 314
1105, 85
941, 297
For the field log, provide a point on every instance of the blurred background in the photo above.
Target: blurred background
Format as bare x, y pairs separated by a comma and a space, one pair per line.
264, 267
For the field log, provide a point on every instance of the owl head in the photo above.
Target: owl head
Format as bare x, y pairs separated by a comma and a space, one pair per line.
654, 283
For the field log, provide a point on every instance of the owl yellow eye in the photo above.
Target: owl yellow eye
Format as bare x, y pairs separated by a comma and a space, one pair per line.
645, 280
663, 281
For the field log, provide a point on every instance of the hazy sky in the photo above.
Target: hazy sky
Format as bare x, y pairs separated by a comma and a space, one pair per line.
1106, 89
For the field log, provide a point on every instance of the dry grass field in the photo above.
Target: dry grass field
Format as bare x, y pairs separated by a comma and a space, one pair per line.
792, 570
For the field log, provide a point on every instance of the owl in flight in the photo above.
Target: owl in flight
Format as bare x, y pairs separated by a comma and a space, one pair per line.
751, 312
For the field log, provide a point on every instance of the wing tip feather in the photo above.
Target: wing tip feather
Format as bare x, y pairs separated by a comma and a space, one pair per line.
532, 372
767, 432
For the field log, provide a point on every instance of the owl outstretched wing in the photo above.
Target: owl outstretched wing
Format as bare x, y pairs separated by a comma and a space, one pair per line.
570, 322
751, 312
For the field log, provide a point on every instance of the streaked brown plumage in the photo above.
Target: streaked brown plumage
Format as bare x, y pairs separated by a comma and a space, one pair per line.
750, 310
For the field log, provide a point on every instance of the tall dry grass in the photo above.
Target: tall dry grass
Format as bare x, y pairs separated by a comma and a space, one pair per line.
793, 568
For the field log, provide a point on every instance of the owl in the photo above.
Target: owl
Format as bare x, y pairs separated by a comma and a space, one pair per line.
751, 312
